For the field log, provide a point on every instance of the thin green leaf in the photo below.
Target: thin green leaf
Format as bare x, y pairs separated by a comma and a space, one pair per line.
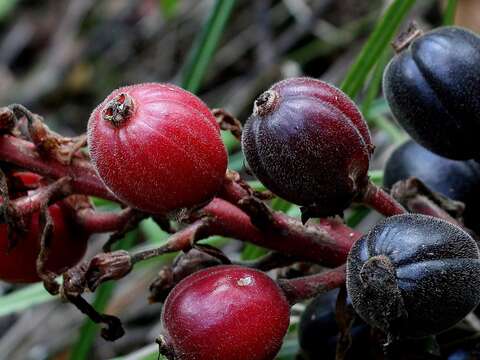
236, 161
24, 298
379, 107
279, 204
375, 45
168, 7
251, 252
6, 7
202, 53
375, 84
230, 141
376, 176
256, 185
153, 233
450, 10
89, 330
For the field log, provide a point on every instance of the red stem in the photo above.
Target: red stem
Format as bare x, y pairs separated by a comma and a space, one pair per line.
233, 192
84, 178
97, 222
181, 240
287, 234
381, 201
49, 194
306, 287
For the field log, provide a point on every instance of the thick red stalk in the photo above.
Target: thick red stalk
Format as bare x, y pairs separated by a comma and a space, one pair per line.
233, 192
286, 234
306, 287
23, 154
97, 222
381, 201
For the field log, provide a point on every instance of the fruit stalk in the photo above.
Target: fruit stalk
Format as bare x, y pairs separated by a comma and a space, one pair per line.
381, 201
23, 153
306, 287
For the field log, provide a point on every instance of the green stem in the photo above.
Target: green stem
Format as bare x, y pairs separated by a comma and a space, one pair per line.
375, 45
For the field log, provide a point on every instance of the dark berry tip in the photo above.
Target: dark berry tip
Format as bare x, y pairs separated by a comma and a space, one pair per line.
378, 271
119, 109
266, 103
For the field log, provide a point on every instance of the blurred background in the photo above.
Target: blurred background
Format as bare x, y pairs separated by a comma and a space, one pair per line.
61, 58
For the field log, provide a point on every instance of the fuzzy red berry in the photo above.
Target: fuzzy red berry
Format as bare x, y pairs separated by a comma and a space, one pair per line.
157, 147
308, 143
18, 265
225, 312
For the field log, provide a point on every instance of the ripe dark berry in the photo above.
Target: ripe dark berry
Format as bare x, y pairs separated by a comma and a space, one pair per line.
68, 245
157, 147
225, 312
308, 143
458, 180
414, 275
318, 331
432, 89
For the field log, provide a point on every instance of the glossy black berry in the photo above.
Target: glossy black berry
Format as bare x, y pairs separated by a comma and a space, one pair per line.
432, 89
414, 275
307, 142
458, 180
318, 331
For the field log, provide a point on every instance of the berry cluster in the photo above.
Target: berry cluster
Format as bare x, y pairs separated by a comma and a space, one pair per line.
156, 150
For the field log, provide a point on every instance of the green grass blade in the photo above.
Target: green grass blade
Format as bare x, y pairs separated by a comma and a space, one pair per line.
252, 252
24, 298
201, 54
88, 332
6, 7
449, 15
375, 84
376, 176
375, 45
168, 7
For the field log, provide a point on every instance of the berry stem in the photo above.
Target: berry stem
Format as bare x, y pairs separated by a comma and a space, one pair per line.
235, 190
381, 201
23, 153
417, 198
41, 197
93, 221
285, 234
288, 236
181, 240
306, 287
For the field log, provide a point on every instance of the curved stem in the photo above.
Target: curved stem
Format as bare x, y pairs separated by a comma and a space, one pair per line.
381, 201
285, 234
44, 196
306, 287
98, 222
23, 154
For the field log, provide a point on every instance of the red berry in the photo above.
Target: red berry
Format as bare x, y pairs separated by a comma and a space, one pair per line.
18, 265
308, 143
225, 312
157, 147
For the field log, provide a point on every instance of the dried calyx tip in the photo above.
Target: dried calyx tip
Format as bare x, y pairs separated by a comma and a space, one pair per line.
377, 271
405, 38
119, 109
265, 103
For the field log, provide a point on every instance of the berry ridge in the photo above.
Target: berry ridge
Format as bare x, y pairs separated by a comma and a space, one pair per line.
308, 119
